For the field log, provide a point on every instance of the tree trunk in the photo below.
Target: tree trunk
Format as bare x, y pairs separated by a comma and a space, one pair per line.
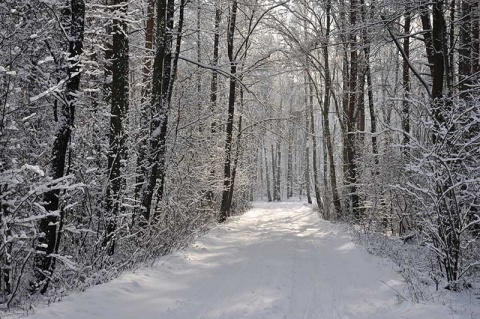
326, 121
351, 166
225, 207
49, 242
368, 74
290, 164
406, 83
438, 55
214, 83
213, 91
6, 277
278, 173
145, 108
475, 37
159, 111
307, 174
343, 115
464, 50
278, 163
119, 108
274, 174
164, 73
307, 148
199, 57
360, 107
267, 175
316, 185
235, 160
427, 35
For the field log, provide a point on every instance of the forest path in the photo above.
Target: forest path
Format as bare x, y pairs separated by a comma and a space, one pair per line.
278, 260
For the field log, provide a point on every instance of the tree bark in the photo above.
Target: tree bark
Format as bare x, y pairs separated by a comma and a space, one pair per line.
316, 186
267, 175
427, 35
235, 160
199, 56
464, 50
145, 108
307, 148
214, 82
406, 82
290, 164
278, 179
475, 37
351, 166
225, 207
164, 74
326, 121
118, 116
49, 225
274, 173
438, 54
213, 90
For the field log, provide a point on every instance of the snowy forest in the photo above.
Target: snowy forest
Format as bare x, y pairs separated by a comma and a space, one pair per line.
129, 127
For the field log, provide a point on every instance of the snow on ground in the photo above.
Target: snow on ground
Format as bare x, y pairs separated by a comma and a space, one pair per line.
276, 261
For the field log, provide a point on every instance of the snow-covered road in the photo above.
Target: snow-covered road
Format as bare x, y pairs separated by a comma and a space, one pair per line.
276, 261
